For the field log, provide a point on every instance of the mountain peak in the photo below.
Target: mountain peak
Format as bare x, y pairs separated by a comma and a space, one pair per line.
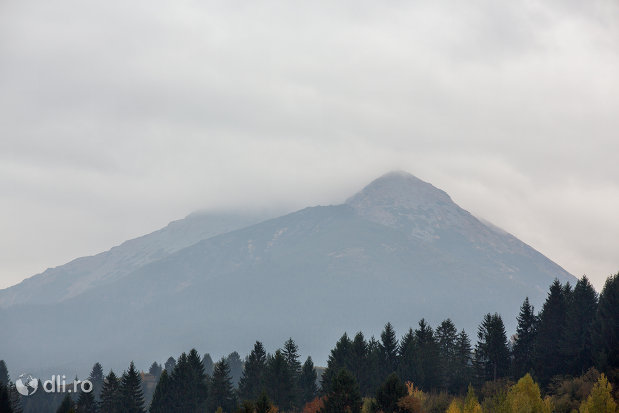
398, 189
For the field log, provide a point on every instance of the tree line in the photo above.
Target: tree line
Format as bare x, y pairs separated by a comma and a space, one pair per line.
575, 331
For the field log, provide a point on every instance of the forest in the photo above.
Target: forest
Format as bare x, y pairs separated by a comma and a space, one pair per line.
563, 358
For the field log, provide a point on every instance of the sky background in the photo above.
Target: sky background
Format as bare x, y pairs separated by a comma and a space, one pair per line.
117, 117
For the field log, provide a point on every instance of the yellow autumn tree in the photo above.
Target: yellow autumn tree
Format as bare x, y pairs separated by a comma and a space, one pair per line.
525, 397
454, 407
600, 400
471, 405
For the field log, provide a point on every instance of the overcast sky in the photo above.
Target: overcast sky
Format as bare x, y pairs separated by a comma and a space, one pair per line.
117, 117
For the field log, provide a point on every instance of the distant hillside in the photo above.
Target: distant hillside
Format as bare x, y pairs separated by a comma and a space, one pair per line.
397, 251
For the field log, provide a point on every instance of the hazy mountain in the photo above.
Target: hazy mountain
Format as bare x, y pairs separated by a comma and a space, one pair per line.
397, 251
80, 275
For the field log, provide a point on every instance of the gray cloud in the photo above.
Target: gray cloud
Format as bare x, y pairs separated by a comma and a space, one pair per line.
117, 117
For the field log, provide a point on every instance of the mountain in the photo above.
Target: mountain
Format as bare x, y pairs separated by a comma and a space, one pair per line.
397, 251
80, 275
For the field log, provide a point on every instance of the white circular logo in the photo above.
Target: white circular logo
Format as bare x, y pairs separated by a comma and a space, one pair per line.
26, 384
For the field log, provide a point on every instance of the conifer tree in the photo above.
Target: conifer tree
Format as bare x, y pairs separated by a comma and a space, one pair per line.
426, 372
236, 367
407, 354
291, 354
389, 348
492, 356
339, 358
4, 374
307, 382
252, 381
358, 362
207, 361
5, 400
344, 395
221, 392
195, 386
110, 394
446, 338
548, 358
575, 345
600, 400
373, 366
524, 345
169, 365
67, 405
96, 378
606, 329
162, 398
131, 396
155, 370
86, 403
279, 381
462, 374
15, 398
389, 393
263, 404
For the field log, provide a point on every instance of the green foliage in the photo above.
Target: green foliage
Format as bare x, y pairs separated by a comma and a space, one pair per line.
389, 393
340, 358
307, 382
344, 396
86, 403
575, 344
280, 384
446, 338
221, 392
606, 330
600, 400
110, 394
252, 381
4, 374
263, 404
389, 350
66, 406
96, 378
524, 345
548, 357
569, 393
492, 358
463, 374
131, 396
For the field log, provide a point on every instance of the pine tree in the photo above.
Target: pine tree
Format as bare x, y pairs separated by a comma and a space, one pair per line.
236, 367
279, 381
291, 354
462, 374
407, 354
162, 398
207, 361
86, 403
358, 362
110, 394
426, 371
548, 358
5, 400
389, 393
344, 395
389, 348
263, 404
575, 345
492, 356
339, 358
374, 358
67, 405
307, 382
96, 378
606, 329
155, 370
15, 398
4, 374
446, 338
131, 396
169, 365
196, 386
524, 345
221, 392
600, 400
252, 381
